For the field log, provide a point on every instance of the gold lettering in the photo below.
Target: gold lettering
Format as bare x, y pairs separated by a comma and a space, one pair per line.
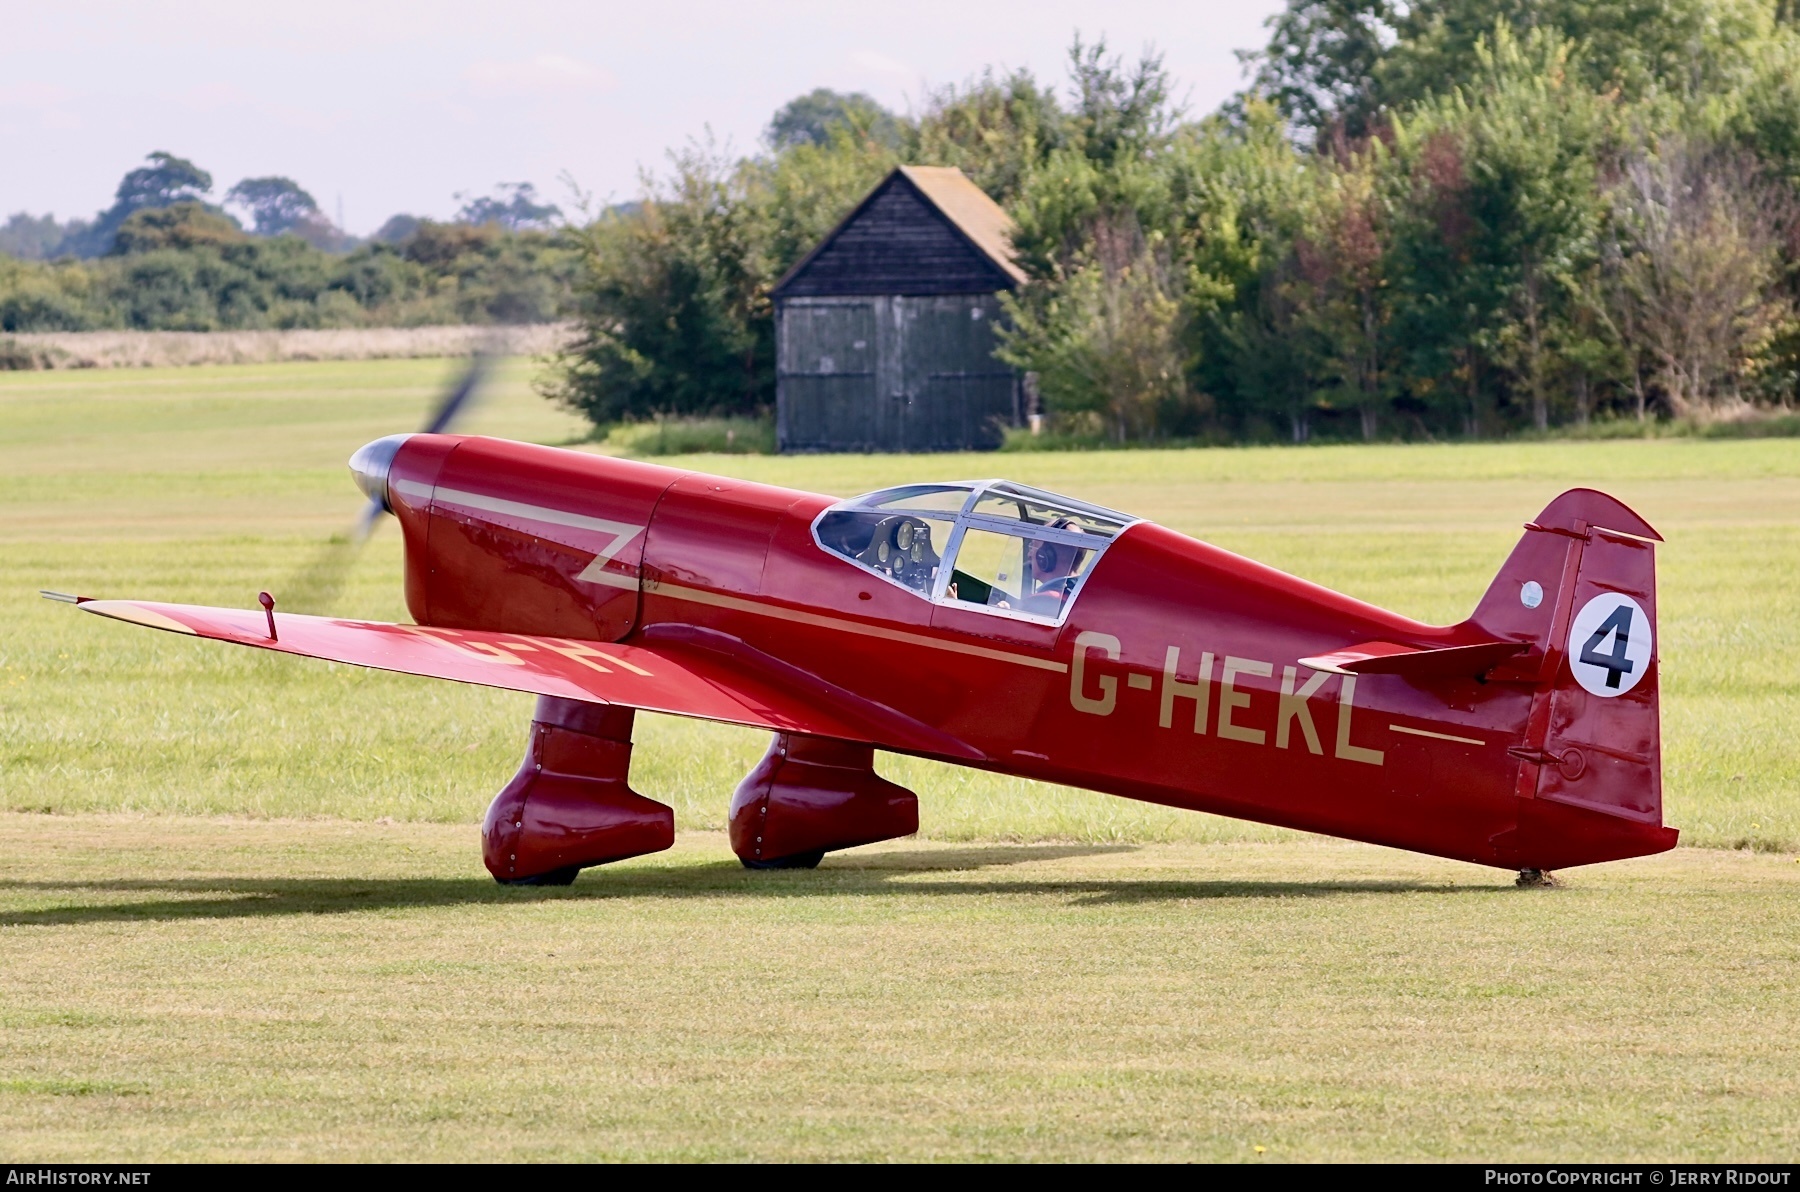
1294, 707
1108, 645
578, 652
484, 651
1347, 705
489, 651
1229, 698
636, 670
1173, 689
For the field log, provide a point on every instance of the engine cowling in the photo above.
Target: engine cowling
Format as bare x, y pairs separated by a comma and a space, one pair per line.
523, 539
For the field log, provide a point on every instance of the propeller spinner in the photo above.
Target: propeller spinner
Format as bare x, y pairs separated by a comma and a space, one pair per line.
369, 467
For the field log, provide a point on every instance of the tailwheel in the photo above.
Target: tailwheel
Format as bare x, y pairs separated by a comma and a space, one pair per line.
1536, 879
556, 877
795, 861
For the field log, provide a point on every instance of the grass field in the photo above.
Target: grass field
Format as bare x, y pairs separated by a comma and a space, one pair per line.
208, 989
242, 911
210, 484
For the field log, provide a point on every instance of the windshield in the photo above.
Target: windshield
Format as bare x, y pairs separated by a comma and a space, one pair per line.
1011, 503
991, 545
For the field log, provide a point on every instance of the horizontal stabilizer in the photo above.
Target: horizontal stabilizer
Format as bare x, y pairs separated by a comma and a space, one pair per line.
1391, 658
702, 679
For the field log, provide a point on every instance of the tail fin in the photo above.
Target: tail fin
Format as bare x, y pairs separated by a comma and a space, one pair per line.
1580, 589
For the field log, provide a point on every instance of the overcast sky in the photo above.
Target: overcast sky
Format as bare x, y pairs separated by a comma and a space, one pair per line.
392, 106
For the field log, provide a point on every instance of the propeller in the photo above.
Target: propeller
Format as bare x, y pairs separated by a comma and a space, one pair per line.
315, 586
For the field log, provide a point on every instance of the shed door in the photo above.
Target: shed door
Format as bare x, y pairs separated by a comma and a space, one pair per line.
959, 395
826, 377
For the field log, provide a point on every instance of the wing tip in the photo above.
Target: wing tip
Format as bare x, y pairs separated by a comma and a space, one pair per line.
135, 614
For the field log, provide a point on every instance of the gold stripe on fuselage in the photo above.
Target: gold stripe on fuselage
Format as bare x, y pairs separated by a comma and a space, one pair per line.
799, 617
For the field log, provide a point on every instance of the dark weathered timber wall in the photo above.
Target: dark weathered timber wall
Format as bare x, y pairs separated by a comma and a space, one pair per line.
891, 373
896, 243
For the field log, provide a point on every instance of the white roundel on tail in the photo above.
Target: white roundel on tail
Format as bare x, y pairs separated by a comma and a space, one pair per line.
1609, 644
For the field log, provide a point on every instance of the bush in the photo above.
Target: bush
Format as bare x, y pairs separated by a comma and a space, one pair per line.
692, 436
183, 268
1774, 425
18, 357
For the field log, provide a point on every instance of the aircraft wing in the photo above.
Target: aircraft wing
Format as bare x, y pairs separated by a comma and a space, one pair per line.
699, 675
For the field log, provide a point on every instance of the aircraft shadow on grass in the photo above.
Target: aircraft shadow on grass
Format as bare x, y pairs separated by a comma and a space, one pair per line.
888, 873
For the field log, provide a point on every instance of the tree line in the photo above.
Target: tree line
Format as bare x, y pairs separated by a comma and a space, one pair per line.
165, 257
1431, 219
1437, 219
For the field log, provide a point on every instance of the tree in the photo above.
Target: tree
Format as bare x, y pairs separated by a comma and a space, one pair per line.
1533, 150
1632, 47
1319, 65
811, 119
1447, 285
1497, 212
167, 180
1115, 164
1413, 216
398, 229
1107, 345
1346, 64
1118, 114
275, 204
995, 128
1765, 119
181, 226
164, 182
675, 315
513, 206
1248, 204
1340, 291
32, 238
188, 267
1702, 231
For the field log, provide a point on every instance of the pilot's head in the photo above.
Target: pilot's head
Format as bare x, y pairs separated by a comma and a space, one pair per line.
1056, 560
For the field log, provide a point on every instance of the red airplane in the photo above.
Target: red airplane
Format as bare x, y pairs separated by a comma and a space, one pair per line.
995, 626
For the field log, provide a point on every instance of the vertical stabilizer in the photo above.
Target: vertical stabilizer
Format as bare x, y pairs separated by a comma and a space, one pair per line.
1581, 589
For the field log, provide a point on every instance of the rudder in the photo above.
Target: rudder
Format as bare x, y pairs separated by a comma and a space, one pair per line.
1581, 588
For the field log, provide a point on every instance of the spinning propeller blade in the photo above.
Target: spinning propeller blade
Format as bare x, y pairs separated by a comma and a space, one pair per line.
316, 586
452, 406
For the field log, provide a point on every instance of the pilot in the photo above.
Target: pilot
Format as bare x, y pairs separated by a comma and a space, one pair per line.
1052, 569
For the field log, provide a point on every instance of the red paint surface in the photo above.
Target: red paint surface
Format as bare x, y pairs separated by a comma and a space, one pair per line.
730, 611
812, 794
571, 804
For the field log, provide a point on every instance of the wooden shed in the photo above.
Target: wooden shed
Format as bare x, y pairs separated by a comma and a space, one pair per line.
884, 333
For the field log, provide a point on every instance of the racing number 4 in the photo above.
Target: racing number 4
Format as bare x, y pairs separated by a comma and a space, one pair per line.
1616, 664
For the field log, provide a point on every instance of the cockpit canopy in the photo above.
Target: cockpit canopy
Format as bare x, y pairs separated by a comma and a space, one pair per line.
987, 544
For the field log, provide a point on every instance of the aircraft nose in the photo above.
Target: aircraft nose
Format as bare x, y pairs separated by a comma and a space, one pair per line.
370, 466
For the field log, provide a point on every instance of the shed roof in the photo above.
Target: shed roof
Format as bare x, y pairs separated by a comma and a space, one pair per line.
968, 207
923, 229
